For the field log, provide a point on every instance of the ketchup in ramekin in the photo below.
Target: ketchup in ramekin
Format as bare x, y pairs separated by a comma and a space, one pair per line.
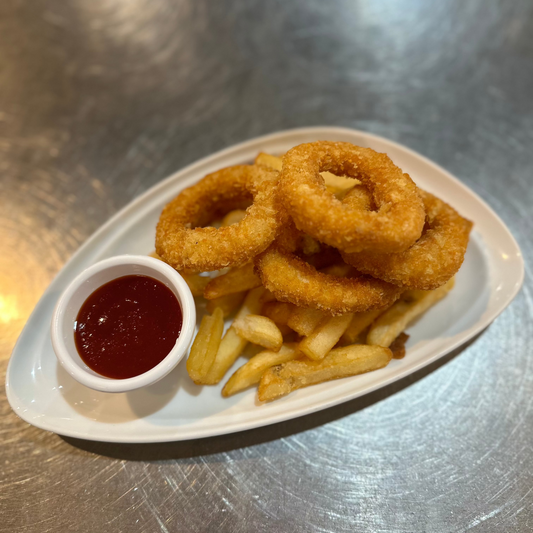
127, 326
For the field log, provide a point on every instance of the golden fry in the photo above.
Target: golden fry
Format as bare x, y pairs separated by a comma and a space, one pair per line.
340, 270
227, 303
304, 320
359, 323
205, 345
338, 185
259, 330
411, 305
282, 379
195, 282
232, 345
233, 217
236, 280
250, 373
270, 161
310, 246
335, 184
278, 312
325, 336
286, 331
267, 297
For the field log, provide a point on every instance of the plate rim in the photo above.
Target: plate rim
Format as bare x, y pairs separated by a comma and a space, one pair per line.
288, 413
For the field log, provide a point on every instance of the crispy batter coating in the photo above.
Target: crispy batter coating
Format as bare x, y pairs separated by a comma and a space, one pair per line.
397, 222
190, 248
432, 260
291, 279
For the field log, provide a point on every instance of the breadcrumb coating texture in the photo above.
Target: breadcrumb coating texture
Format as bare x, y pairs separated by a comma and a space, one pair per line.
432, 260
293, 280
186, 246
394, 226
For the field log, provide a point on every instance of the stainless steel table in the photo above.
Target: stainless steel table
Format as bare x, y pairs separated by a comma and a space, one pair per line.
101, 99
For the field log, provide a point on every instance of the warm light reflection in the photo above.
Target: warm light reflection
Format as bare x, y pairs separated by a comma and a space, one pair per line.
8, 309
23, 277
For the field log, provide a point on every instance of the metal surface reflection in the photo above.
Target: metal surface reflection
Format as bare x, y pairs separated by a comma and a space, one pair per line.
100, 100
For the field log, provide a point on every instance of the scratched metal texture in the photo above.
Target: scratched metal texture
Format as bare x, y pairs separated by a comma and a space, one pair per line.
101, 99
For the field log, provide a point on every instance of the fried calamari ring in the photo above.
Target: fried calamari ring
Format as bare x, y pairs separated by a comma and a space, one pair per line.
291, 279
432, 260
190, 248
393, 227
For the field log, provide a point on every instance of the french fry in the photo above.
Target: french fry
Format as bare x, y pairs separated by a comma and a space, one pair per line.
205, 345
227, 303
335, 184
338, 184
267, 160
267, 297
304, 320
359, 323
196, 283
360, 198
260, 330
236, 280
233, 217
341, 270
285, 330
325, 336
282, 379
232, 345
310, 246
278, 312
411, 305
250, 373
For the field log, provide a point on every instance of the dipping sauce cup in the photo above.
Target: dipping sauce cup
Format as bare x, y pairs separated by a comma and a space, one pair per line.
69, 304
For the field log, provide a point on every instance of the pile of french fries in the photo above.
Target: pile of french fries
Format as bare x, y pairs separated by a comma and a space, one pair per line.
302, 346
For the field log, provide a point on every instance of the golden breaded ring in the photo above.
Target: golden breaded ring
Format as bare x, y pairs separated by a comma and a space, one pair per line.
190, 248
432, 260
291, 279
399, 217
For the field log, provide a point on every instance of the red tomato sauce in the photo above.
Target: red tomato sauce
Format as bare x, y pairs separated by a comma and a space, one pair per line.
127, 326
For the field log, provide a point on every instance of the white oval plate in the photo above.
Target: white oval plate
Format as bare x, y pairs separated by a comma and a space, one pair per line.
41, 393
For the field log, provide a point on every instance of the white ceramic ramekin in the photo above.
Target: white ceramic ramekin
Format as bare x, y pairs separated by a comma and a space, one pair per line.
66, 311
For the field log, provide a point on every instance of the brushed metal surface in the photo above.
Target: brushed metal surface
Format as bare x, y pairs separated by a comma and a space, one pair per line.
100, 100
